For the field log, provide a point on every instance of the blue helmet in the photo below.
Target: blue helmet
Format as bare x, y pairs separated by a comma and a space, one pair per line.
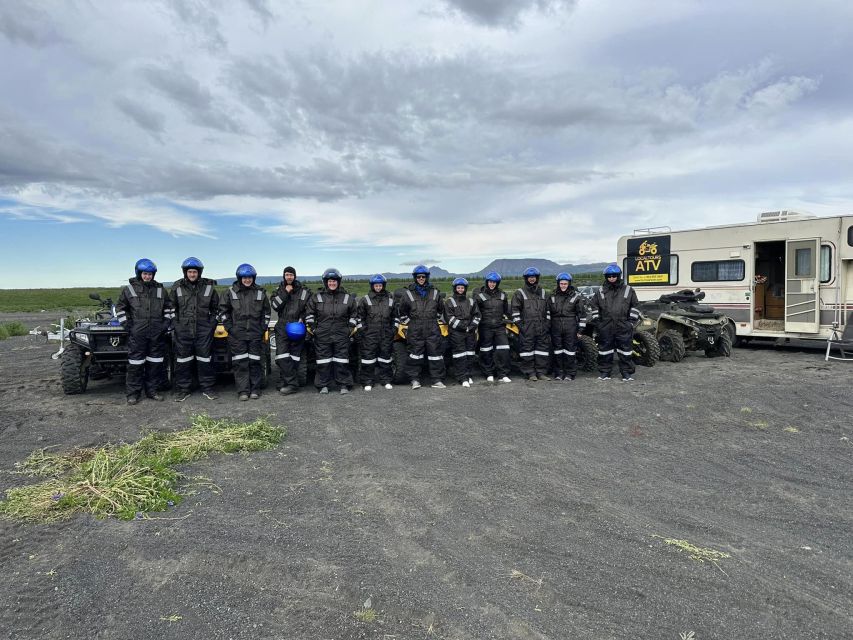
144, 264
612, 270
460, 281
295, 330
192, 263
246, 270
377, 279
331, 274
420, 269
531, 272
494, 276
564, 276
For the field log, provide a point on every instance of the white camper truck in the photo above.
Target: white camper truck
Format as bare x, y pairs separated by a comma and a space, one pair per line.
787, 275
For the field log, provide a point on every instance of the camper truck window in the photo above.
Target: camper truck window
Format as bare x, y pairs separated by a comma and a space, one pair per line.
825, 263
850, 236
718, 271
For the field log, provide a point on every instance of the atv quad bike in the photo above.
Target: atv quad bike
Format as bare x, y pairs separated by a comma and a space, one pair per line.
681, 324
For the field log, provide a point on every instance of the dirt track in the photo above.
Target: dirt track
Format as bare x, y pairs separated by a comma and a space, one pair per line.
427, 502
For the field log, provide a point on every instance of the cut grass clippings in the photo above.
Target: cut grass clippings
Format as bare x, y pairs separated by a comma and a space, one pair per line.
699, 554
128, 480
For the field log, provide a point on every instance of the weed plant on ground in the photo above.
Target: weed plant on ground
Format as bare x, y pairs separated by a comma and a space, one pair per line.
15, 329
128, 480
4, 333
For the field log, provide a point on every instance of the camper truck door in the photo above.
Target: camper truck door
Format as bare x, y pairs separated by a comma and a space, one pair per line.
802, 291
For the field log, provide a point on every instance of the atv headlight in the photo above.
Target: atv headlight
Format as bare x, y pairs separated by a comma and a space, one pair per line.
82, 337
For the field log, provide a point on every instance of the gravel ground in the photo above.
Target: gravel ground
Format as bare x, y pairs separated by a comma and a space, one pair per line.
531, 510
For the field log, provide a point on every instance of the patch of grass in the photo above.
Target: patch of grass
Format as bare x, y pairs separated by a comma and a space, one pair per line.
791, 429
699, 554
745, 410
3, 332
128, 480
366, 615
760, 424
16, 328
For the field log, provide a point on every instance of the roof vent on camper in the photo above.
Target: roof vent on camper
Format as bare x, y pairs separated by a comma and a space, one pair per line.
783, 216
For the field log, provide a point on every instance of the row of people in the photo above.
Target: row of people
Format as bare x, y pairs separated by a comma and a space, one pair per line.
548, 324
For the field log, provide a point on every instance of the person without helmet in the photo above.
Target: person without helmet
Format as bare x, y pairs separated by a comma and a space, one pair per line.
245, 312
331, 314
377, 323
568, 317
493, 305
289, 302
530, 313
145, 309
420, 308
614, 310
462, 319
196, 304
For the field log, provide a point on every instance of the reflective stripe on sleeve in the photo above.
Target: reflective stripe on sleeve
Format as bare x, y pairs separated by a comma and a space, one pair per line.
240, 356
324, 361
525, 354
202, 359
605, 353
150, 359
482, 349
436, 357
282, 355
136, 363
340, 360
502, 346
625, 353
385, 360
253, 356
187, 359
371, 361
541, 353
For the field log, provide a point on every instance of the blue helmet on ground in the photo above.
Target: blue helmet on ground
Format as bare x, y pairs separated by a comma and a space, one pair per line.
331, 274
564, 276
420, 270
494, 276
460, 281
192, 263
246, 270
612, 270
377, 279
531, 272
295, 330
144, 264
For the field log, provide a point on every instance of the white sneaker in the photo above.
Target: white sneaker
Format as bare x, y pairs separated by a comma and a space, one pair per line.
470, 380
466, 384
367, 387
505, 379
389, 386
438, 385
416, 384
490, 379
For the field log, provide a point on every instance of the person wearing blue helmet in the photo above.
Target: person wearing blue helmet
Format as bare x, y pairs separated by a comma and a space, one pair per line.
462, 320
245, 312
331, 315
420, 309
196, 304
289, 302
568, 317
493, 305
145, 309
530, 312
614, 311
377, 325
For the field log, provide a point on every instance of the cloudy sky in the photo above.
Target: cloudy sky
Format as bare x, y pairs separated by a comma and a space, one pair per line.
373, 135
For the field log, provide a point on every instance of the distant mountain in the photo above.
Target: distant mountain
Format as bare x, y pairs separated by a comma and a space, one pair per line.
506, 267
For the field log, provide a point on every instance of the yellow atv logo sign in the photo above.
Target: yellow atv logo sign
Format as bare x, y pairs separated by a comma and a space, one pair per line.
649, 247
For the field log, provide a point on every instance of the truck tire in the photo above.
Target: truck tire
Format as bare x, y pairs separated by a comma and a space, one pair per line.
723, 348
646, 349
671, 346
74, 371
587, 356
399, 354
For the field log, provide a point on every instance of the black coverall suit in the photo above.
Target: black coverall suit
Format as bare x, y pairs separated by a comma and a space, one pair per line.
463, 316
530, 313
145, 309
423, 336
376, 316
245, 312
568, 317
332, 316
290, 306
614, 310
493, 306
196, 305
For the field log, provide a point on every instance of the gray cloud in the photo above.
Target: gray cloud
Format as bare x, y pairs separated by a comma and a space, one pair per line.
504, 13
148, 119
22, 23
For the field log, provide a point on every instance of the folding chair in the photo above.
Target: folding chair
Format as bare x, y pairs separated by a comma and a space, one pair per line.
842, 341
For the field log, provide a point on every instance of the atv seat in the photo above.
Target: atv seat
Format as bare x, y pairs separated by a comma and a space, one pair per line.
685, 295
843, 341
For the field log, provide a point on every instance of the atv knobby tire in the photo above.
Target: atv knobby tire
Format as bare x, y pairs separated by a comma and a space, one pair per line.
646, 349
266, 366
671, 346
587, 354
399, 355
74, 370
723, 348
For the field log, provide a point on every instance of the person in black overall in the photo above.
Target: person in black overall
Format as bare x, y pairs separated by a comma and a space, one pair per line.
377, 326
463, 316
289, 302
530, 313
568, 317
245, 312
145, 309
196, 304
614, 310
420, 308
331, 315
493, 306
